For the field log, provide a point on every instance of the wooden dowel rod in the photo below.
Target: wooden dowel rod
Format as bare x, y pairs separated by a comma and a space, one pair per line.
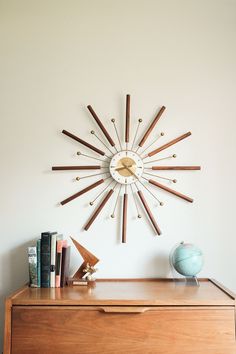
124, 222
152, 126
172, 191
97, 211
127, 119
72, 136
101, 126
149, 213
85, 190
176, 168
170, 143
72, 168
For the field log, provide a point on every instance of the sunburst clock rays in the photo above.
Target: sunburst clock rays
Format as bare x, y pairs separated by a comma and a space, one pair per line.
126, 168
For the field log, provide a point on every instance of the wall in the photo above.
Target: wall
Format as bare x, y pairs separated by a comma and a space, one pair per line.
58, 56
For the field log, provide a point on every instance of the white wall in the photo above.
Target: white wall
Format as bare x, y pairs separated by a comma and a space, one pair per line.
58, 56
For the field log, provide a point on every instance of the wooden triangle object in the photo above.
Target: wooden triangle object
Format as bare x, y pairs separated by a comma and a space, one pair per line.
87, 256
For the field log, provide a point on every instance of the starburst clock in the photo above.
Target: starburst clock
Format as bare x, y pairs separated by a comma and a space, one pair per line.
127, 169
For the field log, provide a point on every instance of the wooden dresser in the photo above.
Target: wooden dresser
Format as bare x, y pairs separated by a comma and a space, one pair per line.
142, 316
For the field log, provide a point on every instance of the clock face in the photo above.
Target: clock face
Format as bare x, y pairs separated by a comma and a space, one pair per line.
126, 170
126, 167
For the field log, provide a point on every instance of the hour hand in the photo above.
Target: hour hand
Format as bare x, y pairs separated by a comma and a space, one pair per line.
122, 168
128, 168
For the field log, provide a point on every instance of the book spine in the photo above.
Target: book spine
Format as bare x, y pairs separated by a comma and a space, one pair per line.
45, 259
32, 259
39, 262
53, 261
58, 263
65, 265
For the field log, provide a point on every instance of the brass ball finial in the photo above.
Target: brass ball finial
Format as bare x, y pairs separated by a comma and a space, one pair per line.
91, 203
112, 216
92, 132
140, 120
174, 180
174, 155
113, 120
139, 216
78, 153
77, 178
161, 203
162, 133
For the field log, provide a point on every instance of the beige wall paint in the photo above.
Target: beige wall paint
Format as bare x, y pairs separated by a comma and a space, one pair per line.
57, 57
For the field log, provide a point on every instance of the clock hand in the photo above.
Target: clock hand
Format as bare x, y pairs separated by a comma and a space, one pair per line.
122, 168
125, 166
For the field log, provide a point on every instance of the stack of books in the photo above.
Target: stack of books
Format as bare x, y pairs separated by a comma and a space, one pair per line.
49, 261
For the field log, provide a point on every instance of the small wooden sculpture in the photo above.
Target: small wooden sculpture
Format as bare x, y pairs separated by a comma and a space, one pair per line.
87, 266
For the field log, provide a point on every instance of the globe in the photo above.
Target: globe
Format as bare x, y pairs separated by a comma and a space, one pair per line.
187, 259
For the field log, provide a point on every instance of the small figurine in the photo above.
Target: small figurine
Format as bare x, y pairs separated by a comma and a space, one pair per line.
89, 271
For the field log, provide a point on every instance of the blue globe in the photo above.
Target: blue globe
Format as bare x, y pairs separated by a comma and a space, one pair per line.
187, 259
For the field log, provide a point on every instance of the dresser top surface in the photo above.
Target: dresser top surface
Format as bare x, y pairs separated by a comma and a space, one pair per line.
155, 292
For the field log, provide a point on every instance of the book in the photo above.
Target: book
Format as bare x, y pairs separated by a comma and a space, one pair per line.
53, 260
46, 258
39, 262
32, 260
65, 265
58, 263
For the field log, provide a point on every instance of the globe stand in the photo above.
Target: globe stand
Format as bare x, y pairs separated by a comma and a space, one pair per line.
192, 281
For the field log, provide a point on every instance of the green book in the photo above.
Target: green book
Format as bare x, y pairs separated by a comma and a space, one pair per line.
32, 259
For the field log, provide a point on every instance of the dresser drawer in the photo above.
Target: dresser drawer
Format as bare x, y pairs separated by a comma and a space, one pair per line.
117, 329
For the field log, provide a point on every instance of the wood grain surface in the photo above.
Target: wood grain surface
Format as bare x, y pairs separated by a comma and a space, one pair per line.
101, 126
124, 219
83, 142
170, 143
76, 168
152, 126
85, 190
98, 210
127, 118
176, 168
133, 316
170, 190
86, 331
149, 213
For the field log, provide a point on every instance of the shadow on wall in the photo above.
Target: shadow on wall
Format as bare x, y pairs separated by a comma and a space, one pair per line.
16, 263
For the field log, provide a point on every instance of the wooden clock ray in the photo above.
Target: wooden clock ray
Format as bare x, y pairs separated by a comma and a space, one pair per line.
125, 169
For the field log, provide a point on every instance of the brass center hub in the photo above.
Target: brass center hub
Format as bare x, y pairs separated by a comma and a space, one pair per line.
126, 167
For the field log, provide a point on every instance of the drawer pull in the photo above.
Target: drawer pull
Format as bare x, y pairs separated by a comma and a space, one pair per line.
124, 309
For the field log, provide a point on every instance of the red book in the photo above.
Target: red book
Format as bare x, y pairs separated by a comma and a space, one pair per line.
58, 263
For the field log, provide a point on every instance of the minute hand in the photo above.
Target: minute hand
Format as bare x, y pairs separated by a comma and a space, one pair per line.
125, 166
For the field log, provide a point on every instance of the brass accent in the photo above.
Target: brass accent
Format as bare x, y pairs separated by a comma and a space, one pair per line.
135, 135
163, 158
116, 202
126, 167
157, 176
91, 157
117, 134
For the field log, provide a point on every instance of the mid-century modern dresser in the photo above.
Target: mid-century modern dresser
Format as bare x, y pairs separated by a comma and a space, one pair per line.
142, 316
